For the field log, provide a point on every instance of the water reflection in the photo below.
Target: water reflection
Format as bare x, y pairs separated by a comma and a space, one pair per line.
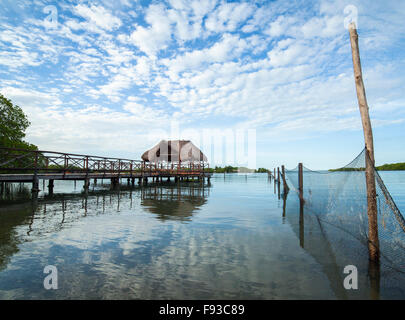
334, 248
313, 237
25, 216
238, 242
175, 201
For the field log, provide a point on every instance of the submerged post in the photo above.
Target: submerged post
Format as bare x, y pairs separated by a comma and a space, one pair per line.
35, 180
86, 183
301, 223
278, 182
50, 186
285, 186
300, 181
373, 244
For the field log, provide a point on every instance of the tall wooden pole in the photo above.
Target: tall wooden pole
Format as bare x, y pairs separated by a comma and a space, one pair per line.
373, 244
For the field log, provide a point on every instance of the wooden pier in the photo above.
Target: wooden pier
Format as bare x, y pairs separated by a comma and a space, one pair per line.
30, 166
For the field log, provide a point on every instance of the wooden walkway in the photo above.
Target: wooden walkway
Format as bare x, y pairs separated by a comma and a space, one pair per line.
18, 165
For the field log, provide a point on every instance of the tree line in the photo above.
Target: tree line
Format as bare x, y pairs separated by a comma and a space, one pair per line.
231, 169
400, 166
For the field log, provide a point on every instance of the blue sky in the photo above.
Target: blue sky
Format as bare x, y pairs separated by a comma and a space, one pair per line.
112, 77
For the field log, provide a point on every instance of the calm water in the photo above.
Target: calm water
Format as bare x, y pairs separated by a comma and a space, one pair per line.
232, 239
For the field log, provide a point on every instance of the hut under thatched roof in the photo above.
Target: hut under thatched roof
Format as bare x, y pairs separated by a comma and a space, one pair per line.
174, 151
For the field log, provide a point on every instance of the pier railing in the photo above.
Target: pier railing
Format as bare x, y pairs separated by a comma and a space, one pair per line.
33, 161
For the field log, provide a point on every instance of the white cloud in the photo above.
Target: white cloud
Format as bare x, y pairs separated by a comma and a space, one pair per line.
254, 65
280, 26
86, 127
227, 48
156, 37
25, 96
228, 16
288, 52
97, 18
325, 26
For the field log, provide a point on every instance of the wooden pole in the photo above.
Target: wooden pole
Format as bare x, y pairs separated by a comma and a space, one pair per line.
301, 223
278, 182
373, 244
361, 92
285, 186
284, 204
35, 181
300, 181
50, 186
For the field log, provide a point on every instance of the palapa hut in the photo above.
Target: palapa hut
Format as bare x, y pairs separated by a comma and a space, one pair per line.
174, 151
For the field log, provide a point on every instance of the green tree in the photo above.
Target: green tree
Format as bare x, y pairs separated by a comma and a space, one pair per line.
13, 123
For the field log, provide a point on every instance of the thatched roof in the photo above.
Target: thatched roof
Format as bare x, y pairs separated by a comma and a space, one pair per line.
169, 151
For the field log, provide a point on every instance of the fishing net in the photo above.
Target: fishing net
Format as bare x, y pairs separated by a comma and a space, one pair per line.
332, 221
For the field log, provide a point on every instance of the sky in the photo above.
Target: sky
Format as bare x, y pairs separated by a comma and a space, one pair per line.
268, 80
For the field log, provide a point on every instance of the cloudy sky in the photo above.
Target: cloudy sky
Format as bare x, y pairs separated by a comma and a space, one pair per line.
112, 77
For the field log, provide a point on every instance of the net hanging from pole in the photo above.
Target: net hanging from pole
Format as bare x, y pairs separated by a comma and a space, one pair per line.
335, 205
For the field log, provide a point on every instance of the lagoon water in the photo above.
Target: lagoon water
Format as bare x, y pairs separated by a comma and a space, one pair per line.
231, 239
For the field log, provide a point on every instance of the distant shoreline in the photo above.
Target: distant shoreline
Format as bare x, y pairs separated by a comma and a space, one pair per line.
400, 166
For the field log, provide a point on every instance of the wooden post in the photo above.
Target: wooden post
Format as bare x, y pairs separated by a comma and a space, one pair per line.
285, 186
284, 205
373, 244
35, 181
375, 277
301, 223
86, 183
278, 182
300, 181
35, 184
301, 195
50, 186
